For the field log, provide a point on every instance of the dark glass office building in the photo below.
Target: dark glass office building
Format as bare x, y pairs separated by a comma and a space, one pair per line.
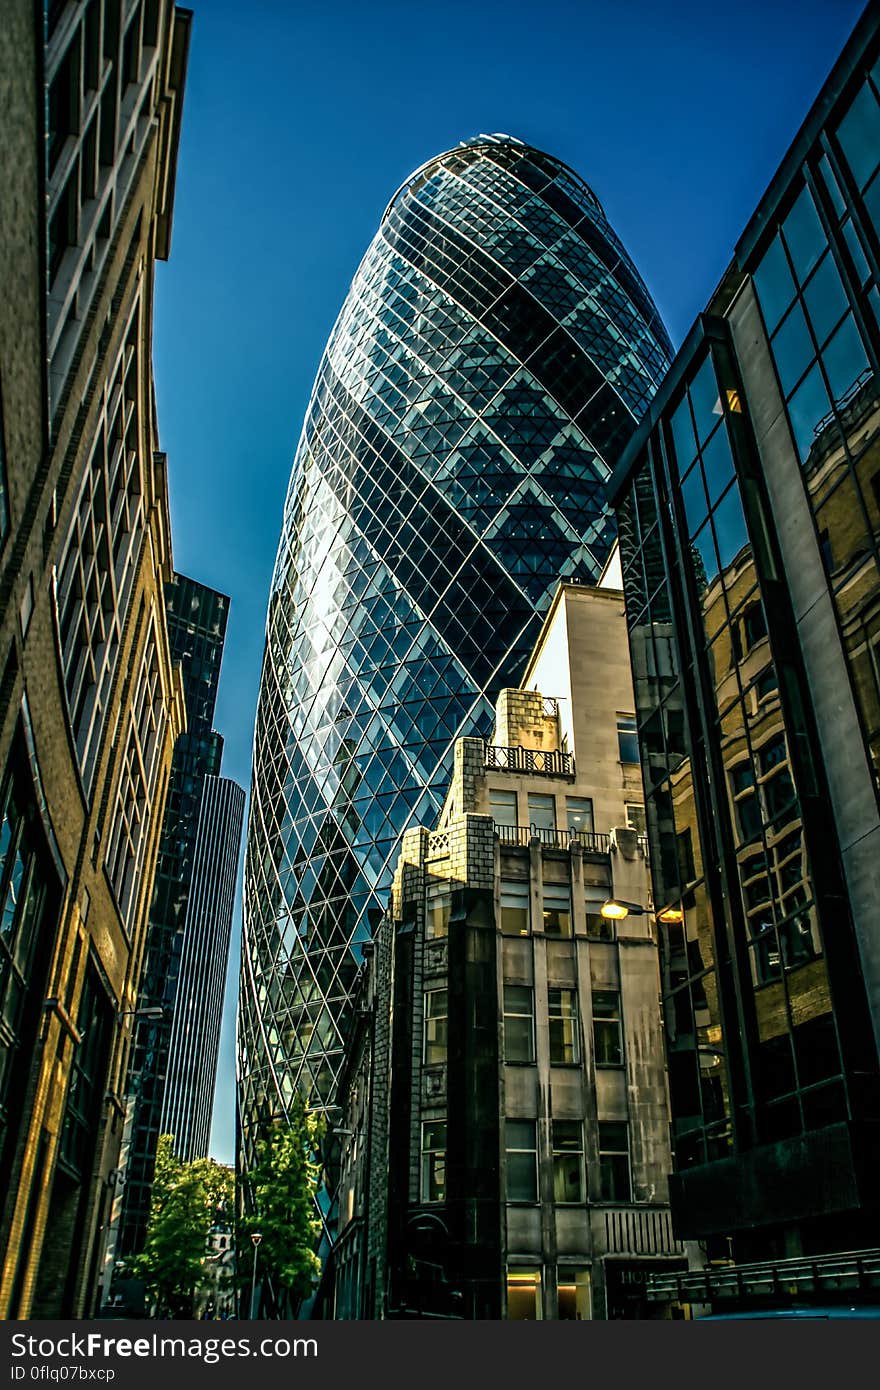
197, 618
749, 513
489, 362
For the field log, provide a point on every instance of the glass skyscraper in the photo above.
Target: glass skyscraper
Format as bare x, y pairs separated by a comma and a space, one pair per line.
490, 361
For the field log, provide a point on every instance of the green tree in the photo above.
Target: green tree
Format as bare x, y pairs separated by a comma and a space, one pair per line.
282, 1186
187, 1198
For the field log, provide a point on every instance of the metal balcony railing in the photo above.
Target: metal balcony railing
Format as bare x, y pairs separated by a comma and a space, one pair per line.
538, 761
849, 1271
590, 841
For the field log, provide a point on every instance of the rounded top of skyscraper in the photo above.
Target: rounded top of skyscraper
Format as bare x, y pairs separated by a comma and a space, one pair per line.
533, 167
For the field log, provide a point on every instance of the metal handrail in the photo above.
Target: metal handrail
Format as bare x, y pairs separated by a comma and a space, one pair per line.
717, 1280
590, 841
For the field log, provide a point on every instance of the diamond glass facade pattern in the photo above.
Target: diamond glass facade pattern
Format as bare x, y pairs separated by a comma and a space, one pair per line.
490, 360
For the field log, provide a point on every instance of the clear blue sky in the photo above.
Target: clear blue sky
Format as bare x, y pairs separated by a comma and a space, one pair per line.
299, 123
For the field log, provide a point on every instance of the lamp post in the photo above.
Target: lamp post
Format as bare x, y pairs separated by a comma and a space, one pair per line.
256, 1237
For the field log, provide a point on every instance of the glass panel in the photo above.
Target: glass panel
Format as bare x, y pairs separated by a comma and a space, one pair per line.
542, 811
523, 1295
774, 284
717, 465
436, 1017
683, 440
579, 813
825, 299
730, 527
557, 909
859, 136
514, 908
793, 349
804, 235
573, 1293
627, 740
606, 1028
519, 1032
568, 1161
807, 407
693, 495
562, 1023
502, 806
705, 400
845, 360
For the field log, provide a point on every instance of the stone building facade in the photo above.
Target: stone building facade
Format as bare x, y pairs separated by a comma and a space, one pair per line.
519, 1167
90, 704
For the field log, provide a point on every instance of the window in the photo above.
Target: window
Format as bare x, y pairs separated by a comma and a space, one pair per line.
433, 1160
579, 814
606, 1028
557, 909
522, 1161
754, 625
503, 807
542, 812
573, 1294
614, 1175
514, 907
438, 906
597, 925
627, 739
568, 1160
635, 816
519, 1024
562, 1021
523, 1295
436, 1018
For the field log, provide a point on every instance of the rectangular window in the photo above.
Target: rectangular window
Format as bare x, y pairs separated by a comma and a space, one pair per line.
519, 1024
568, 1160
562, 1020
522, 1160
523, 1295
573, 1293
579, 813
438, 906
606, 1028
614, 1174
503, 807
542, 812
434, 1161
635, 816
436, 1018
557, 909
627, 739
598, 926
514, 907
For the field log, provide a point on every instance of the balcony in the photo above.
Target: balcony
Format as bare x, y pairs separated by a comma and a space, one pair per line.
590, 841
537, 761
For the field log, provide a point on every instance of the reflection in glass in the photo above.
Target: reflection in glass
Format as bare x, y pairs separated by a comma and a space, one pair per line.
825, 299
774, 283
804, 235
859, 135
793, 349
845, 360
807, 407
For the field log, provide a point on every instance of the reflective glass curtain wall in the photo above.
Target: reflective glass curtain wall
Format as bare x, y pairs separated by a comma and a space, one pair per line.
490, 360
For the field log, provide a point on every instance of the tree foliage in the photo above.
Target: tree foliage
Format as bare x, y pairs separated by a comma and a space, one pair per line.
282, 1185
187, 1199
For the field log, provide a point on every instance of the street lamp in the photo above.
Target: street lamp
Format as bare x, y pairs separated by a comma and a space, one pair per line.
615, 909
256, 1237
153, 1014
